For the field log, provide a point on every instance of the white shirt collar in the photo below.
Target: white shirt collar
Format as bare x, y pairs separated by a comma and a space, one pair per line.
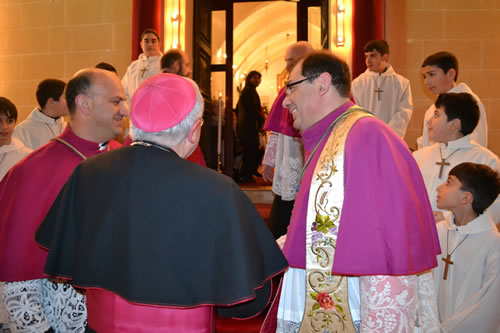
389, 71
143, 57
39, 116
15, 144
481, 223
463, 142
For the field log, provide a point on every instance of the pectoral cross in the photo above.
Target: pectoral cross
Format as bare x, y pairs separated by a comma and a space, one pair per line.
448, 262
144, 70
442, 164
378, 91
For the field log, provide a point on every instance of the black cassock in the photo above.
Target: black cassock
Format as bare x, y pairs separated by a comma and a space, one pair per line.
159, 230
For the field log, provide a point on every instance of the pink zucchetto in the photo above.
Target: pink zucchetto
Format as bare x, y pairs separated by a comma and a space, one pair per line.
162, 102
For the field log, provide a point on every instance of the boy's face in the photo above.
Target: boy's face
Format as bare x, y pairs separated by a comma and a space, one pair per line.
439, 126
376, 62
437, 80
449, 194
150, 45
6, 129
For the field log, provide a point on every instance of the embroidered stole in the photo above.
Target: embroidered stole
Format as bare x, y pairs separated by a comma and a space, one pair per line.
326, 306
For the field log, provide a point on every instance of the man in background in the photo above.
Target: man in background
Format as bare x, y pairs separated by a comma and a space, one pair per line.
284, 151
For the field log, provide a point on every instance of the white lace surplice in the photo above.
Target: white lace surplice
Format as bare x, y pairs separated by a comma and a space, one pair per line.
383, 304
37, 305
285, 154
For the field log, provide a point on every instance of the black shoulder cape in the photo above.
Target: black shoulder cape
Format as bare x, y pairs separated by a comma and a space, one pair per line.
159, 230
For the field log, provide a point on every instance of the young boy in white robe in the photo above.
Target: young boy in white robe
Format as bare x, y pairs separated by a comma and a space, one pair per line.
455, 117
467, 279
440, 73
381, 90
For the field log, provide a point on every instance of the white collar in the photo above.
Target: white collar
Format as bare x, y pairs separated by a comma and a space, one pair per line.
39, 116
460, 88
143, 57
481, 223
463, 142
14, 144
388, 72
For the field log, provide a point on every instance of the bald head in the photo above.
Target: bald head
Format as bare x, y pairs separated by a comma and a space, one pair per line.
296, 51
96, 101
175, 61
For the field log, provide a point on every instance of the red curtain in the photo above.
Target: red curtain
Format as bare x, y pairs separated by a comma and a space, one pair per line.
145, 14
367, 24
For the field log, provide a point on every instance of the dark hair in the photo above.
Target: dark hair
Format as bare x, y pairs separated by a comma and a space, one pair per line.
444, 60
170, 57
480, 180
8, 108
150, 31
250, 76
49, 88
79, 84
106, 67
462, 106
379, 45
319, 62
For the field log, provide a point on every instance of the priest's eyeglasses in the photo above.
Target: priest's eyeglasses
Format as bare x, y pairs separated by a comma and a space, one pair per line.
290, 85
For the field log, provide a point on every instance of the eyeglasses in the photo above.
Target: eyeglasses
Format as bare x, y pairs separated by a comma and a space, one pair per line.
290, 85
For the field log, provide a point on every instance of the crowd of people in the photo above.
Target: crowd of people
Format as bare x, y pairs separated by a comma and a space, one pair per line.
364, 235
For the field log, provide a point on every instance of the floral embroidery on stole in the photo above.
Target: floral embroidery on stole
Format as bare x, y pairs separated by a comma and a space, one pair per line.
326, 307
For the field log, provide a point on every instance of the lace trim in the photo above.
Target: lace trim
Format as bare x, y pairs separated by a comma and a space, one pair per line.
284, 326
288, 167
270, 153
427, 319
37, 305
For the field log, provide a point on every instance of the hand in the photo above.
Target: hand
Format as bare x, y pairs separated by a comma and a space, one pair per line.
281, 241
438, 216
267, 173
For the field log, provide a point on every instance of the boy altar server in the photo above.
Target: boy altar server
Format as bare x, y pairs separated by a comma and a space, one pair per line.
11, 149
146, 65
467, 279
455, 117
440, 73
381, 90
46, 121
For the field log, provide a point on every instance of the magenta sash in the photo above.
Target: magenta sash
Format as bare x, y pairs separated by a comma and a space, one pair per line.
108, 312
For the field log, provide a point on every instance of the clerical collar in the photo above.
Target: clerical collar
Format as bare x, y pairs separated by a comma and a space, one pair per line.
152, 144
103, 146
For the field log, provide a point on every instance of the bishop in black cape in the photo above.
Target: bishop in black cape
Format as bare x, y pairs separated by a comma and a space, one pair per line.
143, 223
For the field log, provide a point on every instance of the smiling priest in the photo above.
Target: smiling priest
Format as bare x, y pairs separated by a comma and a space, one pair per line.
157, 242
361, 239
96, 102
